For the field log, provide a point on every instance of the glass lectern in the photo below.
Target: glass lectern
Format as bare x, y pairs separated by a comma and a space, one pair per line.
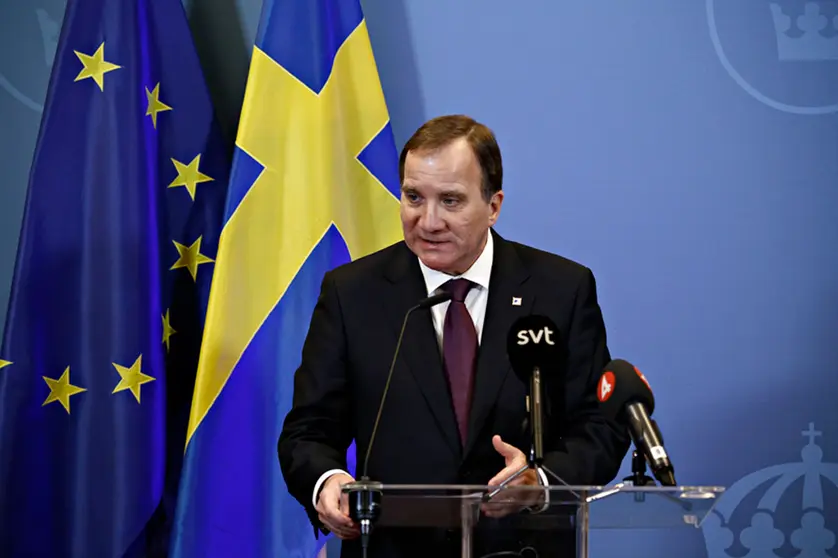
574, 508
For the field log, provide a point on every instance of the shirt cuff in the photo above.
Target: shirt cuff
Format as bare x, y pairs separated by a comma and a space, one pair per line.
320, 482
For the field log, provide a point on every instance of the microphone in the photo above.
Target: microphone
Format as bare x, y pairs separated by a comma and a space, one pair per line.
425, 303
624, 395
365, 495
533, 346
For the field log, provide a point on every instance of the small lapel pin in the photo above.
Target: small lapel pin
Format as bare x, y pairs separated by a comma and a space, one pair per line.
516, 301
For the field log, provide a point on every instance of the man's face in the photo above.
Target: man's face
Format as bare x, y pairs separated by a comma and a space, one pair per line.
444, 215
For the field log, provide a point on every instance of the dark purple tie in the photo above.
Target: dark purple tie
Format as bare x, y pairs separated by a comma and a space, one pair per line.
459, 351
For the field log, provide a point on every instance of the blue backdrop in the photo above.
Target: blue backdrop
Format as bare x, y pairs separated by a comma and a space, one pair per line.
686, 151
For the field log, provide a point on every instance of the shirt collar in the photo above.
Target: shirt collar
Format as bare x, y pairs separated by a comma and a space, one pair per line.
480, 272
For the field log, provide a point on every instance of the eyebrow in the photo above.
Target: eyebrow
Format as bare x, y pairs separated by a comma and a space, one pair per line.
453, 193
446, 193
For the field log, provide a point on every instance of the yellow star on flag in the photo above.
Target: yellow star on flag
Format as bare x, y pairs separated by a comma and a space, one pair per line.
4, 363
132, 378
189, 176
155, 105
190, 257
168, 330
61, 390
95, 66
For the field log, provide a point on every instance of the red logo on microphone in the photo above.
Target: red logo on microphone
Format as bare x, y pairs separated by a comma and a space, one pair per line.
605, 387
642, 377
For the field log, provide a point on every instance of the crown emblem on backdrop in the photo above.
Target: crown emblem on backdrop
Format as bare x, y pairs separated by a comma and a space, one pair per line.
760, 536
811, 36
50, 29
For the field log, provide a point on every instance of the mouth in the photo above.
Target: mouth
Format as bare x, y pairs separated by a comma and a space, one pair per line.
433, 243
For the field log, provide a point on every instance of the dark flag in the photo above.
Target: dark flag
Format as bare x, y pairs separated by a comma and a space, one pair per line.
120, 231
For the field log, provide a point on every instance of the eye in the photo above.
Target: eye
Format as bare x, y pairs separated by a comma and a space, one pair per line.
412, 197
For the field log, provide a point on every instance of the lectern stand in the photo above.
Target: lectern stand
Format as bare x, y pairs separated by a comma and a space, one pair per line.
575, 508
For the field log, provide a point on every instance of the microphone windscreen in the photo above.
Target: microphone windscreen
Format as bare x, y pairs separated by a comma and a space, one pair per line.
533, 341
622, 383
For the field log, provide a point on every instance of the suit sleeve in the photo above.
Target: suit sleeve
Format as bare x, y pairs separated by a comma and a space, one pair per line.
317, 430
591, 448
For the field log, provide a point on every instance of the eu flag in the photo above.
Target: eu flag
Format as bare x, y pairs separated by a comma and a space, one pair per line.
123, 212
314, 185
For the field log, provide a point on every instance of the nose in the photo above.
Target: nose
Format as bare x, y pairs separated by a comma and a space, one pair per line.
430, 219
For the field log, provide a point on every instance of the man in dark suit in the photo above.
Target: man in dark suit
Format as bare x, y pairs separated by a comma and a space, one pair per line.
455, 412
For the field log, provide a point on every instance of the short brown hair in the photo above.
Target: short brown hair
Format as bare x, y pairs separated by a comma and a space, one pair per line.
442, 130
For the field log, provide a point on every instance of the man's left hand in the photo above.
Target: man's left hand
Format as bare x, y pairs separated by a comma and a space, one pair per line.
510, 501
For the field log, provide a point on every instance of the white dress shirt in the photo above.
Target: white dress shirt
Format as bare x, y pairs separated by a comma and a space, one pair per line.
479, 273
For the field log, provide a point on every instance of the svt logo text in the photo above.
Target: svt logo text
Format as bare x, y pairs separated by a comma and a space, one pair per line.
526, 336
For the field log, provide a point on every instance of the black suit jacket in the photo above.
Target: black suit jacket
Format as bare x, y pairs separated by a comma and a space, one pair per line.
347, 355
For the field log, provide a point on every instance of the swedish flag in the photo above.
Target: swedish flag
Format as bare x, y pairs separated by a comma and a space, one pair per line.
122, 217
314, 185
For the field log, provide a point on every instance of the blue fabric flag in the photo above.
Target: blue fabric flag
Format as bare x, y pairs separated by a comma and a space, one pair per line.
314, 185
122, 219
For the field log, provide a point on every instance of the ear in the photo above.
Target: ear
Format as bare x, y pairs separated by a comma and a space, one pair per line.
494, 207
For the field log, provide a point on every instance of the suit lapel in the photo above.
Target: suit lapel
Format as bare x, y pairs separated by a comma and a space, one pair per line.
419, 349
510, 297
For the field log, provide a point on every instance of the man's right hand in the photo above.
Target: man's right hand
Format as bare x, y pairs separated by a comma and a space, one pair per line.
333, 508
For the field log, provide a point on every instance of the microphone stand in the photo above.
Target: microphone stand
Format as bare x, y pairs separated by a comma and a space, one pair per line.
638, 475
365, 495
364, 506
535, 458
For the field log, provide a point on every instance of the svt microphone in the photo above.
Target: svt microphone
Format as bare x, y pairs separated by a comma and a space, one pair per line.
624, 395
533, 347
365, 495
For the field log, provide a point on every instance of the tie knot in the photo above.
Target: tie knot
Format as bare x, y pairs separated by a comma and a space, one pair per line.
458, 288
